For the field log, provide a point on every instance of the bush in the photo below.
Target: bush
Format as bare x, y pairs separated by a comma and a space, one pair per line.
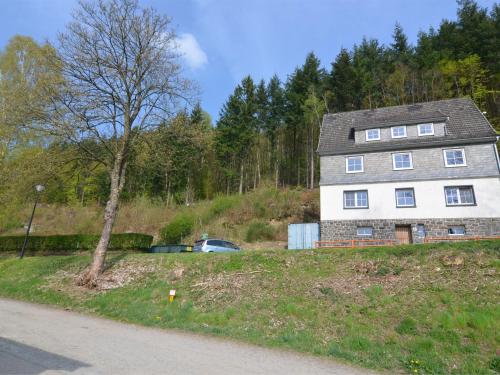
75, 242
220, 205
259, 231
260, 209
494, 364
178, 229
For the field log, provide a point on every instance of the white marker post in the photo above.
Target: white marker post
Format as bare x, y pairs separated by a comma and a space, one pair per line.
171, 295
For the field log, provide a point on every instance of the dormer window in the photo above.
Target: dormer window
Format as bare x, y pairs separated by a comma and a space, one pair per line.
425, 129
398, 131
373, 135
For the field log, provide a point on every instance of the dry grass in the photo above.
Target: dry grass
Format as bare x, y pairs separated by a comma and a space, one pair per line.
229, 220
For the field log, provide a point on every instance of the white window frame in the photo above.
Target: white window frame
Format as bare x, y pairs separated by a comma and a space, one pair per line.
372, 139
356, 192
354, 157
364, 234
454, 165
405, 205
460, 203
398, 127
419, 127
456, 234
394, 161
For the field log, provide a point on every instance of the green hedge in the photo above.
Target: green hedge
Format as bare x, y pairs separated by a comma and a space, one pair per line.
178, 229
75, 242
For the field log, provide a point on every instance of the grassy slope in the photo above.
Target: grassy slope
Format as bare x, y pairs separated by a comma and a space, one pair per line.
224, 216
386, 308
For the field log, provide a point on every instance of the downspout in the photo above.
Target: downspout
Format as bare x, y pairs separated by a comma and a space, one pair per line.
496, 153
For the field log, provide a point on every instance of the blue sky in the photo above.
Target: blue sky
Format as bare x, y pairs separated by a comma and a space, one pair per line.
224, 40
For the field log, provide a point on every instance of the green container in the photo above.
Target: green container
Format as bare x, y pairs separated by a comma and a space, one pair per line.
171, 249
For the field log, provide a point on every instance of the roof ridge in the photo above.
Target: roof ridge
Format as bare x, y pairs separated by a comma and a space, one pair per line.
393, 107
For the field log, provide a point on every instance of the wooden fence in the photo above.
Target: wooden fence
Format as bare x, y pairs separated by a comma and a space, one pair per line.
379, 243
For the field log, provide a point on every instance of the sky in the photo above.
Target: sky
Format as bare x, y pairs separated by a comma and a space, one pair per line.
222, 41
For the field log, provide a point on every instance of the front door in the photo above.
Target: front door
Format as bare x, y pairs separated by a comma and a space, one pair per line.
403, 234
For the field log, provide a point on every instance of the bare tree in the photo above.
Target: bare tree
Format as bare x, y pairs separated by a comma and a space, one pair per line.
120, 75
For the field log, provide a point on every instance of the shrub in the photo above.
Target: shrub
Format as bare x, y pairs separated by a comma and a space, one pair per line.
494, 364
220, 205
75, 242
258, 230
259, 209
180, 227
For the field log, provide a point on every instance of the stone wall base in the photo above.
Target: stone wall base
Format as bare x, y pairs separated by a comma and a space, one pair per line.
333, 230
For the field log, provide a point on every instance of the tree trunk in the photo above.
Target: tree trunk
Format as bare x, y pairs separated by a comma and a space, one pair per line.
258, 169
90, 277
255, 179
240, 189
298, 171
276, 176
188, 190
312, 160
82, 200
308, 154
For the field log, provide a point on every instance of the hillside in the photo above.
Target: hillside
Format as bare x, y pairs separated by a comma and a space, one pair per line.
265, 213
420, 309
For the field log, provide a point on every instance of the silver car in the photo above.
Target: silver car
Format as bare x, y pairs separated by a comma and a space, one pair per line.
214, 246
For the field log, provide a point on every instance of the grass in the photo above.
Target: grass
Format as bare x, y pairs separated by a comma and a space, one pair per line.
398, 309
231, 217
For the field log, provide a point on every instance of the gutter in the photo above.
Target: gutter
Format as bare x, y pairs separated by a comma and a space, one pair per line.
411, 146
495, 150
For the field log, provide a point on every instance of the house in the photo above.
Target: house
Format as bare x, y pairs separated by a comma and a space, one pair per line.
409, 172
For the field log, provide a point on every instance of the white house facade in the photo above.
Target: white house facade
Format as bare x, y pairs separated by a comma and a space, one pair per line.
409, 172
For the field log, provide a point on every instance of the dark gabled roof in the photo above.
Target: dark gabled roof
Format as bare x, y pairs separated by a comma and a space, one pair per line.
398, 119
465, 124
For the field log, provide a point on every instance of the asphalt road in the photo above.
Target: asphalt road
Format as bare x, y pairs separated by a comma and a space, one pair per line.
41, 340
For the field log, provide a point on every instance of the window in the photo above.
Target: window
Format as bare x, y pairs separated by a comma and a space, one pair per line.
373, 135
454, 158
457, 230
459, 196
354, 164
356, 199
402, 161
215, 243
398, 131
405, 197
230, 245
365, 231
425, 129
421, 230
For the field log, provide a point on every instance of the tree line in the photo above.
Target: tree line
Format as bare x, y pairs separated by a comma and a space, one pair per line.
267, 131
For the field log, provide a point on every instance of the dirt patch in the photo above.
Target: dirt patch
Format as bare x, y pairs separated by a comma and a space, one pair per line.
64, 281
452, 261
125, 272
118, 275
397, 275
354, 286
225, 286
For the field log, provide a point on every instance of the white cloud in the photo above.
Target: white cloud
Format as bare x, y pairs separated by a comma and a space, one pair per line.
191, 51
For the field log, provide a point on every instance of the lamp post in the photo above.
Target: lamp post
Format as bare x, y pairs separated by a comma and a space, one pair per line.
39, 189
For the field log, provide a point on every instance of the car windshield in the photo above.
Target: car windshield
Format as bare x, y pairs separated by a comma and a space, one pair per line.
199, 243
230, 245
